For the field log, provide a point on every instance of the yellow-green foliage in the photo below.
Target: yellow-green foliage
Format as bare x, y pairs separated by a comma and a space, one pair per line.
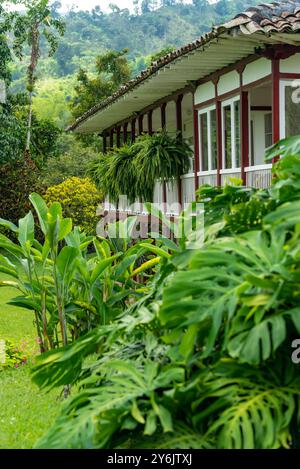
79, 198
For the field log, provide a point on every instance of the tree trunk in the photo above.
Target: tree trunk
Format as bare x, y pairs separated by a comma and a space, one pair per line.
28, 136
35, 50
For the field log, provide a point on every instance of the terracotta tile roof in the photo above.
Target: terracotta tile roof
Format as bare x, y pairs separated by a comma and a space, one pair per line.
267, 18
278, 17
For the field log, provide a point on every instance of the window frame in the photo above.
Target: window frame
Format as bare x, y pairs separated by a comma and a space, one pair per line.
206, 110
230, 102
282, 85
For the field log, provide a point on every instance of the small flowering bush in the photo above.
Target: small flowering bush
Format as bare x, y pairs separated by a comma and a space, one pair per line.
12, 355
79, 199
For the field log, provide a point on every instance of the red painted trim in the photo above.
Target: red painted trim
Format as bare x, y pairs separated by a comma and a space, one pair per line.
196, 147
125, 133
275, 102
163, 115
235, 92
111, 139
261, 108
280, 51
149, 118
261, 81
140, 124
244, 133
289, 76
118, 136
133, 122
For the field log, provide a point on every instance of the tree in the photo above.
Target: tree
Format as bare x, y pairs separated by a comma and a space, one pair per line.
28, 30
112, 70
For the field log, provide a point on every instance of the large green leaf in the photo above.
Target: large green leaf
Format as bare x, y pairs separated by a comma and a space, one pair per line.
26, 230
256, 344
65, 263
41, 209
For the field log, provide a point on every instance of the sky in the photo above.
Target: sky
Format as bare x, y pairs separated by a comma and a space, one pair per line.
89, 4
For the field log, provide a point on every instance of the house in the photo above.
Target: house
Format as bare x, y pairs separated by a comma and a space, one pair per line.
231, 93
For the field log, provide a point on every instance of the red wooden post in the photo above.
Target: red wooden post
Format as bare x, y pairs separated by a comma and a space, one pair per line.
149, 118
163, 127
164, 192
111, 139
118, 139
179, 113
163, 115
133, 130
125, 126
219, 133
244, 110
140, 123
275, 102
179, 132
196, 148
244, 126
104, 142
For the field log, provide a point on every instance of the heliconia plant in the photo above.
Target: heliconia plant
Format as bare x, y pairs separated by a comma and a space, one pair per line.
70, 290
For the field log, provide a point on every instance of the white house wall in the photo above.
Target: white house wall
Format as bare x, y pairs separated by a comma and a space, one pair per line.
204, 92
257, 70
228, 82
291, 64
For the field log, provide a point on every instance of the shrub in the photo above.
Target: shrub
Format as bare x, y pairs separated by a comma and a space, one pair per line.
17, 181
73, 161
79, 199
13, 355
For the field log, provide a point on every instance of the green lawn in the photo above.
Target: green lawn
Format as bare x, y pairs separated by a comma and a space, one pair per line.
25, 412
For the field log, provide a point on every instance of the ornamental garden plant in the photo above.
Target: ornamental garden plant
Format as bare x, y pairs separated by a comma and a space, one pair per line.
198, 355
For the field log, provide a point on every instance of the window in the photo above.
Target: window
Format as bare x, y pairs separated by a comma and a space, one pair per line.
208, 139
268, 130
289, 108
231, 137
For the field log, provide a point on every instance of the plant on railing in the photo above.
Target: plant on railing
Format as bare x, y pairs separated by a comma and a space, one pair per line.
114, 173
159, 157
134, 170
204, 360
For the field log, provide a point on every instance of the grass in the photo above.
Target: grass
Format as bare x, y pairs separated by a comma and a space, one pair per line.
25, 412
15, 323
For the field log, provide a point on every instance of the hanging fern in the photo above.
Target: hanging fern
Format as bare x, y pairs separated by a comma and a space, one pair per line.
160, 156
114, 172
133, 170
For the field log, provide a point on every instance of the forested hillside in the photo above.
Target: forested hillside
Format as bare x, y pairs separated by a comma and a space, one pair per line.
153, 26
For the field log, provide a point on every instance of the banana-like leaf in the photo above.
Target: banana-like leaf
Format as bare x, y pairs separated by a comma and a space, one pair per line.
9, 225
41, 209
